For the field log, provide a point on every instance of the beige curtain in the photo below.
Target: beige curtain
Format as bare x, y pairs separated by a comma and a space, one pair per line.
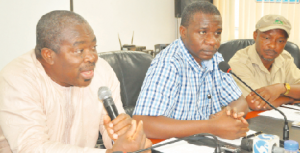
226, 8
251, 11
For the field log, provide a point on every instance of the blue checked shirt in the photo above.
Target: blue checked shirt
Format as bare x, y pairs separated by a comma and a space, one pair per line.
176, 86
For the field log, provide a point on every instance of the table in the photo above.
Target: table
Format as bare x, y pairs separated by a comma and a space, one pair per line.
273, 126
258, 123
248, 116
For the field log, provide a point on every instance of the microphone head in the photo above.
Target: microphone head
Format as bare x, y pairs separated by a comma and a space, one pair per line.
224, 66
104, 93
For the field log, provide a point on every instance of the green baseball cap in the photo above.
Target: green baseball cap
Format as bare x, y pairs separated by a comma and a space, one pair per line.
269, 22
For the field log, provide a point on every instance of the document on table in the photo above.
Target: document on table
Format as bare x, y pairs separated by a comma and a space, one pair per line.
184, 146
292, 106
236, 141
291, 114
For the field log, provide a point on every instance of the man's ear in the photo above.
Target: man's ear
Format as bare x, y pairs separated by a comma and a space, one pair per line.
183, 31
254, 35
48, 55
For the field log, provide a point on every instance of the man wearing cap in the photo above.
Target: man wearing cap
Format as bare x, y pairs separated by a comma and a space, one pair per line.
266, 66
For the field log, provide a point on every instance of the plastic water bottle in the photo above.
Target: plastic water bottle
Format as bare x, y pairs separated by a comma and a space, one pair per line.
291, 146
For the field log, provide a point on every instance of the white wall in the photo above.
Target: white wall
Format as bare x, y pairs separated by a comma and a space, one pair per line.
18, 23
152, 21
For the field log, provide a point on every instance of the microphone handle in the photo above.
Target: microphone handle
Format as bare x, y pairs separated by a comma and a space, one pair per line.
112, 111
286, 127
110, 107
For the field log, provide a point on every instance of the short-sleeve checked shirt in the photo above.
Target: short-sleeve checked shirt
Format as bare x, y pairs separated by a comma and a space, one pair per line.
176, 86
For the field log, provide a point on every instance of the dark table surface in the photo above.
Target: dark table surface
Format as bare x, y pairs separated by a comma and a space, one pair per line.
267, 125
273, 126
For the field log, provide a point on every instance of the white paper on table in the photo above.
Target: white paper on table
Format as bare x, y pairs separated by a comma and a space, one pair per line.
182, 146
236, 141
296, 124
292, 106
291, 114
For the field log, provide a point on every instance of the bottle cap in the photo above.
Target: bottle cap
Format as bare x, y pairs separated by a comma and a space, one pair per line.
291, 145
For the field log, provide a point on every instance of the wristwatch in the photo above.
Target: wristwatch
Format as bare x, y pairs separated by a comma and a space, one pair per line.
288, 88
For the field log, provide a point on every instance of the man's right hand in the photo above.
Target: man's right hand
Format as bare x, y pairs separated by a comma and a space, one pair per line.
231, 112
228, 127
134, 139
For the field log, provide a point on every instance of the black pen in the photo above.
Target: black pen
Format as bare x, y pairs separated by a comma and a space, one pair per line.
253, 135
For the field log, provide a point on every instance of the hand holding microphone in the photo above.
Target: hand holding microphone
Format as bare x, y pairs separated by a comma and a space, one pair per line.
118, 126
115, 124
127, 134
134, 139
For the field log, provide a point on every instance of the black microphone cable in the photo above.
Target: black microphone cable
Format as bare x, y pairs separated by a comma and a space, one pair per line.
224, 66
217, 149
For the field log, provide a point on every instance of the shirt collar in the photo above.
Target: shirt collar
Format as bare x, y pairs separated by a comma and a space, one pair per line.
279, 61
206, 65
42, 70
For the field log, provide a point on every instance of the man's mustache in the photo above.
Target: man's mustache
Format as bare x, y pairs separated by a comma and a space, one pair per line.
271, 50
87, 67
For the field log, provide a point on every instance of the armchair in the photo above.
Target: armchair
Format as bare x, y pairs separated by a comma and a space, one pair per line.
130, 68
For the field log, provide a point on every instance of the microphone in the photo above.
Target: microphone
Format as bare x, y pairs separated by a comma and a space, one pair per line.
260, 143
224, 66
104, 94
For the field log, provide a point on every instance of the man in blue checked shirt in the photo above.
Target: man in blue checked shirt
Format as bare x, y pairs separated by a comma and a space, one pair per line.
184, 90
